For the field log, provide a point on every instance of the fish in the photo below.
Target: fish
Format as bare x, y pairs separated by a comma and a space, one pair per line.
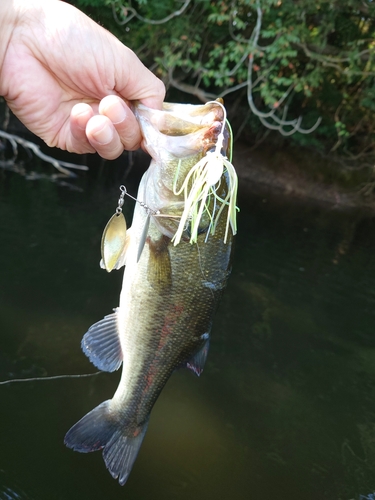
177, 262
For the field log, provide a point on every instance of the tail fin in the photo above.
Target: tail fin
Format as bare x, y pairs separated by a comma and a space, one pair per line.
101, 429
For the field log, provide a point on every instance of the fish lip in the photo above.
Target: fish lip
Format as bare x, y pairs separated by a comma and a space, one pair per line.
212, 134
182, 116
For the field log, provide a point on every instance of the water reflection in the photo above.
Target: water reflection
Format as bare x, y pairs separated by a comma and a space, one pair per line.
286, 405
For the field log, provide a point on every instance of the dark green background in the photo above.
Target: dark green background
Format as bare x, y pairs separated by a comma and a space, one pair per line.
286, 405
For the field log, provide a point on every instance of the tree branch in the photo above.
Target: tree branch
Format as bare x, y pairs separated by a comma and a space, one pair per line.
278, 124
61, 166
133, 13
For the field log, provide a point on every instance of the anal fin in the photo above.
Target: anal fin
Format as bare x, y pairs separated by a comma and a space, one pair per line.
197, 362
101, 344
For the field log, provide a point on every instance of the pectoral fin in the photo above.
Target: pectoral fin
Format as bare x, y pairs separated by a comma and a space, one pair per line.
101, 344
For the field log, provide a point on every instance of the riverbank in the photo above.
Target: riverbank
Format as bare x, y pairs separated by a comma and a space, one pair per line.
297, 173
300, 174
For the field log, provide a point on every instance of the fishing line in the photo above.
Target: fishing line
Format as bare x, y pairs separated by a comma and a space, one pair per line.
53, 377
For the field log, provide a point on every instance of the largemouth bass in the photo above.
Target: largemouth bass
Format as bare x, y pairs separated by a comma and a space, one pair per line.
177, 261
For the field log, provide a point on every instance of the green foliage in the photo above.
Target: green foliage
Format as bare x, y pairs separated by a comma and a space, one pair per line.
317, 57
82, 4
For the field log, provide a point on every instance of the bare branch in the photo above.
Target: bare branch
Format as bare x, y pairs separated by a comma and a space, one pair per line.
251, 48
335, 62
61, 166
276, 123
330, 51
133, 13
190, 89
233, 89
254, 37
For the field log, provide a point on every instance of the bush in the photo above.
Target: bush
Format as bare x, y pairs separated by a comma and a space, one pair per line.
281, 58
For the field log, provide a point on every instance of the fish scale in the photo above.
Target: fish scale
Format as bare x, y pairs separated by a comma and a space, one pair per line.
162, 351
169, 293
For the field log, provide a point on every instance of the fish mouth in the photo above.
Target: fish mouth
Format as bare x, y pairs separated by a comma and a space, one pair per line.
191, 148
183, 119
183, 129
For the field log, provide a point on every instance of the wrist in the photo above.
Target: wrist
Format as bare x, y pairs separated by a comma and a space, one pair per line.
9, 14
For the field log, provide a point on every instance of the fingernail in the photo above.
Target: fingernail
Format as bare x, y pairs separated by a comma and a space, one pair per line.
118, 113
104, 136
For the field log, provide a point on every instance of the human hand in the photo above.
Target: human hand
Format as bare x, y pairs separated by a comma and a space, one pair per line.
70, 81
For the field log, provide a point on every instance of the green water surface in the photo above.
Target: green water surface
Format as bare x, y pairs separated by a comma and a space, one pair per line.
285, 408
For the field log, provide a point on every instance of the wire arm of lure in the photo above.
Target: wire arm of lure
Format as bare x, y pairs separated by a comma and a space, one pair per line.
150, 213
149, 210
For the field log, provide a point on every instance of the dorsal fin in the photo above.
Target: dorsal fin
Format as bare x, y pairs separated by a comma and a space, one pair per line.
101, 344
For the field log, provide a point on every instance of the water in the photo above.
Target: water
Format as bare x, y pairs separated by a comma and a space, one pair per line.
285, 408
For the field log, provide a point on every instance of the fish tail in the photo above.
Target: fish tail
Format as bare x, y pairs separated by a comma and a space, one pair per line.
101, 429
